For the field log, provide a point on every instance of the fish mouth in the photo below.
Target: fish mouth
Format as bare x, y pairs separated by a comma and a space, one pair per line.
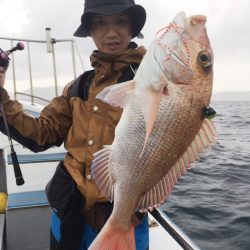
198, 19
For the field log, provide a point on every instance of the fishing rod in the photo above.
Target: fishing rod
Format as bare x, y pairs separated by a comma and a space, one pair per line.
4, 62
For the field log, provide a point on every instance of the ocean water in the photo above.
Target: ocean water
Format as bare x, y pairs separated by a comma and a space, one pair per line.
212, 202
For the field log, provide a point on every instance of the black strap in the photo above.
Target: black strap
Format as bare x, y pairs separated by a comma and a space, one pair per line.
80, 87
128, 73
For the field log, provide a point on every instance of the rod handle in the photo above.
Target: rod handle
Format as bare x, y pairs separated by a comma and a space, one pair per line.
17, 169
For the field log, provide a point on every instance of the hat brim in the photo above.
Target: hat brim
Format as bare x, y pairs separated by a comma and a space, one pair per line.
136, 12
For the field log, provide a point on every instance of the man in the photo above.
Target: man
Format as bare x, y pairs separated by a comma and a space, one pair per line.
84, 124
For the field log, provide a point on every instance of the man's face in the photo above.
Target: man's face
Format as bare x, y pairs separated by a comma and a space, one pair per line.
111, 34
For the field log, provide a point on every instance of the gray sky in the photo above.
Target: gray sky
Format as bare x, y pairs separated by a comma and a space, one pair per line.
228, 25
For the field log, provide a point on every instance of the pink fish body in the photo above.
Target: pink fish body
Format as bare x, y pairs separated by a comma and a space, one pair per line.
162, 130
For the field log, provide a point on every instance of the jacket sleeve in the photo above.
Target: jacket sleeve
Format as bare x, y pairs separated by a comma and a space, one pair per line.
37, 134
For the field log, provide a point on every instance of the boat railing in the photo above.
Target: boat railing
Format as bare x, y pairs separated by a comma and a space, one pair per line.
3, 179
50, 45
32, 97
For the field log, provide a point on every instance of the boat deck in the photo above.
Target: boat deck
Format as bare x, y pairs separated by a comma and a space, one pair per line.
28, 221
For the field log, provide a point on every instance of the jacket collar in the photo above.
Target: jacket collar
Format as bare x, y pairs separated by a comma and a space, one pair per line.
110, 64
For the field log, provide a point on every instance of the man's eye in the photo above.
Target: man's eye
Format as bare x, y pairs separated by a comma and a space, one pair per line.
122, 21
98, 22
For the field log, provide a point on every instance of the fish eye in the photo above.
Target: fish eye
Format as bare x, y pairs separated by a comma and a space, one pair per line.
205, 58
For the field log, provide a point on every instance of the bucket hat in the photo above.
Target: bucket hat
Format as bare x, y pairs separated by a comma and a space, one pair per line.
136, 13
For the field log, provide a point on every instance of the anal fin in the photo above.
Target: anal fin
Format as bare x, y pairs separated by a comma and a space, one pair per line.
161, 190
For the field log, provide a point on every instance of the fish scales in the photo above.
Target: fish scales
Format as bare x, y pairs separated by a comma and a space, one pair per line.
163, 146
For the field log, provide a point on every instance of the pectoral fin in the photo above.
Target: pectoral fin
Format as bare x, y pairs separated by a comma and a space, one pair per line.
116, 95
149, 105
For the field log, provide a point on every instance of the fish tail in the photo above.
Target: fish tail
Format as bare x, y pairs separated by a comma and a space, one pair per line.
112, 237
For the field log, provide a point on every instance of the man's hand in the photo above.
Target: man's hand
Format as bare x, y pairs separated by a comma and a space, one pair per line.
2, 76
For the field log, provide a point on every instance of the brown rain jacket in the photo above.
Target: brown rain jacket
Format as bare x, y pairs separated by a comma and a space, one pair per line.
76, 118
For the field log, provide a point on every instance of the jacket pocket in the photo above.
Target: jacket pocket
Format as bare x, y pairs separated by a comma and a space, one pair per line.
61, 191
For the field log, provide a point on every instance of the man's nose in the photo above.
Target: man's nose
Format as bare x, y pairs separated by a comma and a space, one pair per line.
111, 30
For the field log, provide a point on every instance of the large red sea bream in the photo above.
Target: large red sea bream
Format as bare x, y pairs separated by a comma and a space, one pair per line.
162, 129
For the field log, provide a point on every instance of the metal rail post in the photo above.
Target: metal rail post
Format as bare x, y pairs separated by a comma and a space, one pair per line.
30, 73
73, 59
13, 70
3, 179
54, 66
51, 49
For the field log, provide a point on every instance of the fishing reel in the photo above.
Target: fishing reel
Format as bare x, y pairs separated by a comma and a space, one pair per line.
4, 55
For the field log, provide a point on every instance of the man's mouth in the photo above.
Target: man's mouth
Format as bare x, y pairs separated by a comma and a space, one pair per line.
112, 45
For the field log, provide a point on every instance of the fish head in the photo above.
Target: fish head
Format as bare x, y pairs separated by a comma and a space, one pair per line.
184, 54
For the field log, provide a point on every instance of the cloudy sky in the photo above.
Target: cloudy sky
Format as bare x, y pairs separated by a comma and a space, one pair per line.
228, 25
